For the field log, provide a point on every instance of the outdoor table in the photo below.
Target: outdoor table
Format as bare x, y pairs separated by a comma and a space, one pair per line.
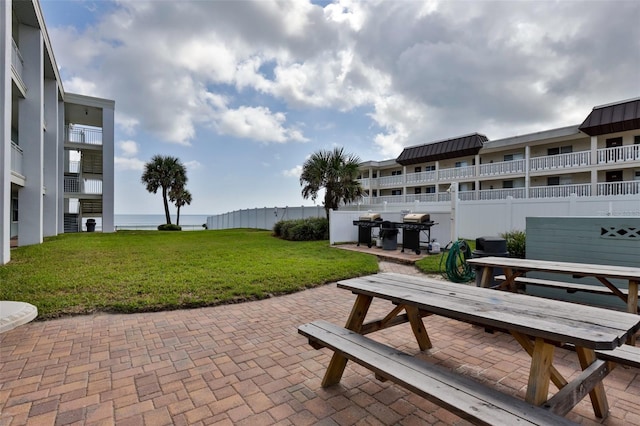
538, 325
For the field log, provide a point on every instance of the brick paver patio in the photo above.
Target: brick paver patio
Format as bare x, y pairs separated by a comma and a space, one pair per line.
246, 364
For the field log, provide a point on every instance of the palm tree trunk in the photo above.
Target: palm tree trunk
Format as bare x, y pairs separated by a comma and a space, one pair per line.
166, 206
178, 217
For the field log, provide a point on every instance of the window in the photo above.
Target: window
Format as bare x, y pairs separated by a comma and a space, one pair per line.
417, 191
396, 172
636, 175
375, 175
417, 170
612, 142
507, 184
374, 193
461, 164
560, 150
636, 139
553, 181
396, 192
430, 190
429, 168
513, 157
614, 176
14, 209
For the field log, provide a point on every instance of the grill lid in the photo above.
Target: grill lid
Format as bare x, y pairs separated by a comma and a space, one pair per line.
416, 218
370, 217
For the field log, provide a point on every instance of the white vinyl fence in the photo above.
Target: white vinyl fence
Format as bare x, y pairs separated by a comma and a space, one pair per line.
262, 218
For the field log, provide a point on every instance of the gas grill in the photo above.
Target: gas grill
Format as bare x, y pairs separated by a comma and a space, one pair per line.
412, 225
365, 225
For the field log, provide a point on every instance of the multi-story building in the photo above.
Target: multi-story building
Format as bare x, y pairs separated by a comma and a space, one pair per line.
600, 157
57, 147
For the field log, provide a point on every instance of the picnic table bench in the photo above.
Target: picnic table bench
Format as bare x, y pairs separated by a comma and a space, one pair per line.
537, 324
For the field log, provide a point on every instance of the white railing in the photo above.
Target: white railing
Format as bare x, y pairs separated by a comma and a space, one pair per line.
619, 188
388, 199
74, 166
89, 136
16, 158
619, 154
75, 185
16, 59
467, 195
560, 161
365, 182
501, 194
457, 173
421, 177
559, 191
502, 168
444, 196
390, 181
423, 198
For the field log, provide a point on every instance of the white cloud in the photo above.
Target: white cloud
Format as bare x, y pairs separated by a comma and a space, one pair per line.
257, 123
128, 148
127, 163
294, 172
193, 165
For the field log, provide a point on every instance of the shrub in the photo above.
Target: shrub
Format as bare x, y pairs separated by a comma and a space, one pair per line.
169, 227
516, 243
311, 229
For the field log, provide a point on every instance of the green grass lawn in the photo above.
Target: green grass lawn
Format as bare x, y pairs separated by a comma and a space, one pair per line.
137, 271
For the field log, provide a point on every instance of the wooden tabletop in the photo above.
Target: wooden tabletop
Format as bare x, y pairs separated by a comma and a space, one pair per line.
579, 269
558, 321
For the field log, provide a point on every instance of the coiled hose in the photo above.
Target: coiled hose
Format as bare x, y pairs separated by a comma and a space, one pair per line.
456, 268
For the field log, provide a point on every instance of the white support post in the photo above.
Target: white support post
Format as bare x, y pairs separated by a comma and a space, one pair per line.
5, 132
52, 167
108, 150
453, 189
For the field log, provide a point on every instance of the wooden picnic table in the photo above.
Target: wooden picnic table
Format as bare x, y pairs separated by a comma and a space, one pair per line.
538, 324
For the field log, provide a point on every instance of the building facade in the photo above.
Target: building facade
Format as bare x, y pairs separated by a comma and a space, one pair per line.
57, 148
600, 157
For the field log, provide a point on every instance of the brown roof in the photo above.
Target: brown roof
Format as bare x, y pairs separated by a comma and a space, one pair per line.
451, 148
613, 118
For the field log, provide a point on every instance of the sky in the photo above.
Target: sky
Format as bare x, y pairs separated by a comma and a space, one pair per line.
242, 92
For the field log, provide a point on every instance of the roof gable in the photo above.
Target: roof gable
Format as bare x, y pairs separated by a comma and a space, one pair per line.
613, 118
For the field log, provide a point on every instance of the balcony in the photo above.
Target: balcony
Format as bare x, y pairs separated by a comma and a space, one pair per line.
83, 135
17, 62
365, 183
619, 154
502, 168
456, 173
423, 198
421, 177
501, 194
391, 181
560, 161
75, 185
16, 159
631, 187
560, 191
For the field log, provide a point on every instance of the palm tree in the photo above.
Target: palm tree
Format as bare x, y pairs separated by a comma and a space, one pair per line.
166, 173
180, 197
334, 171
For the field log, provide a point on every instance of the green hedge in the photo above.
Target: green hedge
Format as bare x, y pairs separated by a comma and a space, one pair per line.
311, 229
169, 227
516, 243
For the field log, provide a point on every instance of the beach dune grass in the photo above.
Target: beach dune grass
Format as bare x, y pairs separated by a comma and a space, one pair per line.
138, 271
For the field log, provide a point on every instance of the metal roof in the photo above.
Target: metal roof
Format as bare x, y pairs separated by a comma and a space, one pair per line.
450, 148
613, 118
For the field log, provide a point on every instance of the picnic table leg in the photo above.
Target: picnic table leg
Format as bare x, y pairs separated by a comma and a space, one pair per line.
354, 323
632, 306
541, 360
597, 395
487, 275
528, 346
418, 328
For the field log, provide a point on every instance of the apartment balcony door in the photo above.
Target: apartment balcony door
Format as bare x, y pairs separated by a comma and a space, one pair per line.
614, 176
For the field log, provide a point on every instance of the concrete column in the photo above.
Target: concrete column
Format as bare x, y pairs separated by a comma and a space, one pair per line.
52, 166
5, 131
594, 163
31, 136
61, 166
108, 150
527, 178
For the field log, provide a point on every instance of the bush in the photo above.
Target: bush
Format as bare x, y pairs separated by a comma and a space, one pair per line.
169, 227
516, 243
311, 229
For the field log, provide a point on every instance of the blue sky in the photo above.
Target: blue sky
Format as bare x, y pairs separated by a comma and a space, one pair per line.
243, 91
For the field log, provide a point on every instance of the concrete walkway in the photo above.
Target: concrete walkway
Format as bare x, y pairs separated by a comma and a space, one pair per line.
245, 364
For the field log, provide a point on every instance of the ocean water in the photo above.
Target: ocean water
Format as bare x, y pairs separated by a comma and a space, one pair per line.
189, 222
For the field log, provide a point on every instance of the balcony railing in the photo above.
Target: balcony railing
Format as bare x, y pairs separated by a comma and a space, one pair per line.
83, 135
75, 185
560, 191
16, 59
502, 168
16, 158
560, 161
501, 194
423, 198
421, 177
466, 195
457, 173
631, 187
387, 181
619, 154
365, 182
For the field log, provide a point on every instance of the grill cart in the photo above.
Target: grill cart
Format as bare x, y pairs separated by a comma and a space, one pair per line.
366, 224
412, 225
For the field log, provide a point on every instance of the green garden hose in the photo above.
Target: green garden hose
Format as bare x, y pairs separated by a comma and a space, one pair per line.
456, 268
